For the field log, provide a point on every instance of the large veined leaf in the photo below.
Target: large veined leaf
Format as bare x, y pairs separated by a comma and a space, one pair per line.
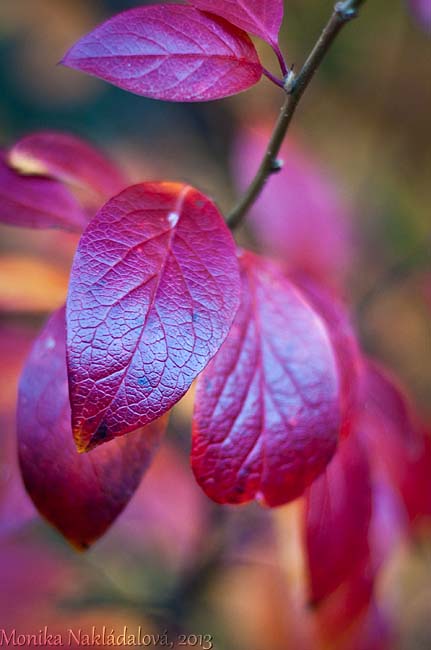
154, 289
67, 158
268, 407
81, 495
170, 52
262, 17
37, 202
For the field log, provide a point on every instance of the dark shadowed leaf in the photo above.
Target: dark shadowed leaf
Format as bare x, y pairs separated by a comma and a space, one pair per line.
67, 158
268, 407
262, 18
338, 515
37, 202
154, 289
81, 495
170, 52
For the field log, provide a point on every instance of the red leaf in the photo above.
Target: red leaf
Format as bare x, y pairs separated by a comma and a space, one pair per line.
267, 410
338, 516
262, 18
37, 202
68, 159
400, 450
345, 608
81, 495
344, 340
171, 52
421, 10
301, 218
154, 289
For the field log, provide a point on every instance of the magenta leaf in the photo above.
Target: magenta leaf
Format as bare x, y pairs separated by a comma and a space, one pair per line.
262, 18
81, 495
398, 445
170, 52
338, 516
154, 289
37, 202
69, 159
268, 407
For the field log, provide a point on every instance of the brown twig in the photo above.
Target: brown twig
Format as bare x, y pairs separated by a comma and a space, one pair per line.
295, 87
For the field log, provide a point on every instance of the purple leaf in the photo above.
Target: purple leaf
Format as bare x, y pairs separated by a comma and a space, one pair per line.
81, 495
154, 290
268, 407
421, 9
68, 159
262, 18
300, 217
37, 202
170, 52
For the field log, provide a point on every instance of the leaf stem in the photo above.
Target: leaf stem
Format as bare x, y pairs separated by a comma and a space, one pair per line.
295, 87
281, 59
273, 78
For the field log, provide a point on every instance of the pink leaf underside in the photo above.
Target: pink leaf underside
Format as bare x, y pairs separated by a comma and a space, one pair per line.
262, 18
69, 159
80, 494
337, 520
267, 409
37, 202
169, 52
301, 218
154, 290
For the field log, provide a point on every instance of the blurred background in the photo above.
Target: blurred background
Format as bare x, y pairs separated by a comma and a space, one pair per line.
360, 142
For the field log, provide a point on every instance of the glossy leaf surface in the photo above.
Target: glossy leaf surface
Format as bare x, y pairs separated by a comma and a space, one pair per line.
262, 18
67, 158
267, 410
37, 202
170, 52
81, 495
154, 289
338, 515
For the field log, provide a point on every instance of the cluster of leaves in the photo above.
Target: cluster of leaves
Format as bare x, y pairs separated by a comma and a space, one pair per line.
160, 295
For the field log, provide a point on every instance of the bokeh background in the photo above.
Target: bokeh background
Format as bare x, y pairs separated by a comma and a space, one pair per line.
173, 560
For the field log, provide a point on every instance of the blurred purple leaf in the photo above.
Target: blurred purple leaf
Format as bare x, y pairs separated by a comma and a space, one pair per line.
300, 217
37, 202
67, 158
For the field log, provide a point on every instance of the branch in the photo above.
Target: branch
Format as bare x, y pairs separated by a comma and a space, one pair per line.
295, 88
